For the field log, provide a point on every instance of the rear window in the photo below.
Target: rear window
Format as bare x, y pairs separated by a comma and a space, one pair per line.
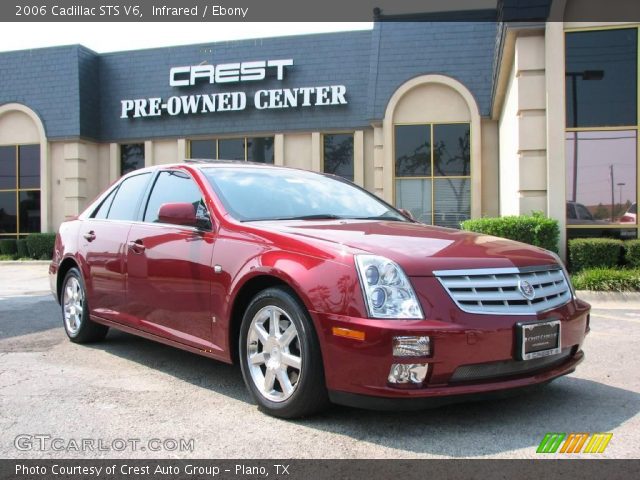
127, 200
104, 207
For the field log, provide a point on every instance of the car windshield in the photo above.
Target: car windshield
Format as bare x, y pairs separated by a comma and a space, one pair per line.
253, 194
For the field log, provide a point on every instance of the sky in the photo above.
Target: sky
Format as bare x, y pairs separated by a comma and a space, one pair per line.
115, 36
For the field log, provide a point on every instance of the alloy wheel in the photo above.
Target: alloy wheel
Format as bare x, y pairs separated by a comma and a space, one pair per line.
273, 354
73, 301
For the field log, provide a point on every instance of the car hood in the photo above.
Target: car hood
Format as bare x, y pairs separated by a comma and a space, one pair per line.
419, 249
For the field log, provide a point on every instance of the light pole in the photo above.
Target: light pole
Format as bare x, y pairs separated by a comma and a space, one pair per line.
585, 75
612, 187
621, 184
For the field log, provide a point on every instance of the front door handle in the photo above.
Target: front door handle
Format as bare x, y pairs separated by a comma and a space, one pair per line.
90, 236
136, 246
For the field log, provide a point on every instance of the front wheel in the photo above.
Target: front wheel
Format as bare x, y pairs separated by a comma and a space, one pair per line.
75, 311
280, 355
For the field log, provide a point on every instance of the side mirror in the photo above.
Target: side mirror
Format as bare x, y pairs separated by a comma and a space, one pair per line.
407, 213
178, 214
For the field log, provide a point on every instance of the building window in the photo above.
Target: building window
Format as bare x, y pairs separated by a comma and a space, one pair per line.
251, 149
601, 139
131, 157
433, 172
337, 155
19, 190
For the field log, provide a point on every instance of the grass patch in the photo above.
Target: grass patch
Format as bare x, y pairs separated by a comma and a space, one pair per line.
607, 280
6, 258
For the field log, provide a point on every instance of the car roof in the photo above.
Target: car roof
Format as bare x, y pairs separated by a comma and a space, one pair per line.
223, 163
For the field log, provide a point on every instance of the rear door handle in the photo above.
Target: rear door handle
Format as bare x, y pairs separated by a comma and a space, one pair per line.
90, 236
136, 246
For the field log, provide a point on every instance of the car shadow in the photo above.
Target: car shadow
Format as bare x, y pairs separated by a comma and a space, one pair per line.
569, 404
186, 366
27, 315
489, 427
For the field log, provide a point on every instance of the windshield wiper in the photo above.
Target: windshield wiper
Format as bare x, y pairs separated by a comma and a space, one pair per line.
380, 217
317, 216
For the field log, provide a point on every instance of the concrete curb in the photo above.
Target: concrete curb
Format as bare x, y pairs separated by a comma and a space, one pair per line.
24, 262
628, 300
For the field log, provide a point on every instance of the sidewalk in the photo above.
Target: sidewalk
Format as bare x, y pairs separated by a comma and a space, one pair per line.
611, 300
24, 278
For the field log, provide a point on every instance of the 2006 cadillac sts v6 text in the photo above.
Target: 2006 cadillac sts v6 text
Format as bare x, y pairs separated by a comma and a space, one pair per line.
321, 291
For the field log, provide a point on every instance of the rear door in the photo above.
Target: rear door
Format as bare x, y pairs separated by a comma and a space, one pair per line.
103, 239
169, 266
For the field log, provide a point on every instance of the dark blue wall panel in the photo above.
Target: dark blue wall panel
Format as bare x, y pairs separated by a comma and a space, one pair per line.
77, 93
45, 80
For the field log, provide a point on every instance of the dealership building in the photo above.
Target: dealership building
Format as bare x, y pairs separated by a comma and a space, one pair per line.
505, 113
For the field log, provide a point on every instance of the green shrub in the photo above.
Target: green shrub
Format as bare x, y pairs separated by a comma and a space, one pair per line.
594, 252
8, 246
22, 250
40, 245
632, 253
535, 229
607, 280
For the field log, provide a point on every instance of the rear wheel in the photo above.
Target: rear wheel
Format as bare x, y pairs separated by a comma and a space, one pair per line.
75, 311
280, 356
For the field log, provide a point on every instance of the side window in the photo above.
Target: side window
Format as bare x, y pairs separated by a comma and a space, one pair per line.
125, 204
173, 187
103, 209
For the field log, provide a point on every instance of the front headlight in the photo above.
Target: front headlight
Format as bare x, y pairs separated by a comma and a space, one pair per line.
387, 290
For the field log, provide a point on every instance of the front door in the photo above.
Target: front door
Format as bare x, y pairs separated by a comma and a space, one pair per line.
169, 267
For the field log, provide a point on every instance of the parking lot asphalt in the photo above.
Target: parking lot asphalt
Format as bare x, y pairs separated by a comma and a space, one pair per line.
147, 394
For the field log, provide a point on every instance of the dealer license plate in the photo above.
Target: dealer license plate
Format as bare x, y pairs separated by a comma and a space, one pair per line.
539, 339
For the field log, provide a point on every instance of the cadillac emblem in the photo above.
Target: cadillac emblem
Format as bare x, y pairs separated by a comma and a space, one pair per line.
526, 289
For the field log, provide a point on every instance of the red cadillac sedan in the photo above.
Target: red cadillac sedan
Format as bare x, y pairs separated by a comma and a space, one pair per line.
318, 289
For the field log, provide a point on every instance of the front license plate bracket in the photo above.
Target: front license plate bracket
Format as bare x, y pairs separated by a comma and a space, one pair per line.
538, 339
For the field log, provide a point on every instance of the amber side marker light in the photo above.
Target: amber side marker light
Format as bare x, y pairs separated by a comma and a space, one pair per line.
348, 333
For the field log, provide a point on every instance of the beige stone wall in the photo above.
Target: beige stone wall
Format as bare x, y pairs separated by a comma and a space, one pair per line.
17, 127
80, 161
298, 150
431, 103
79, 172
555, 107
523, 130
490, 169
368, 161
509, 156
164, 152
56, 200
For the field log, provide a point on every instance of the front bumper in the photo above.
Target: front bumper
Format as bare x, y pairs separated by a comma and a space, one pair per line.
357, 369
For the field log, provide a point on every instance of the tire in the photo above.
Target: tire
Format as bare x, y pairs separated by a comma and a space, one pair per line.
282, 368
75, 311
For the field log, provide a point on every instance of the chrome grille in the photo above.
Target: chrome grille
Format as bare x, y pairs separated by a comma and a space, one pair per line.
497, 291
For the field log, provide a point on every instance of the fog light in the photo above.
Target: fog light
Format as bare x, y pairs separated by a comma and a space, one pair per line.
408, 372
411, 346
